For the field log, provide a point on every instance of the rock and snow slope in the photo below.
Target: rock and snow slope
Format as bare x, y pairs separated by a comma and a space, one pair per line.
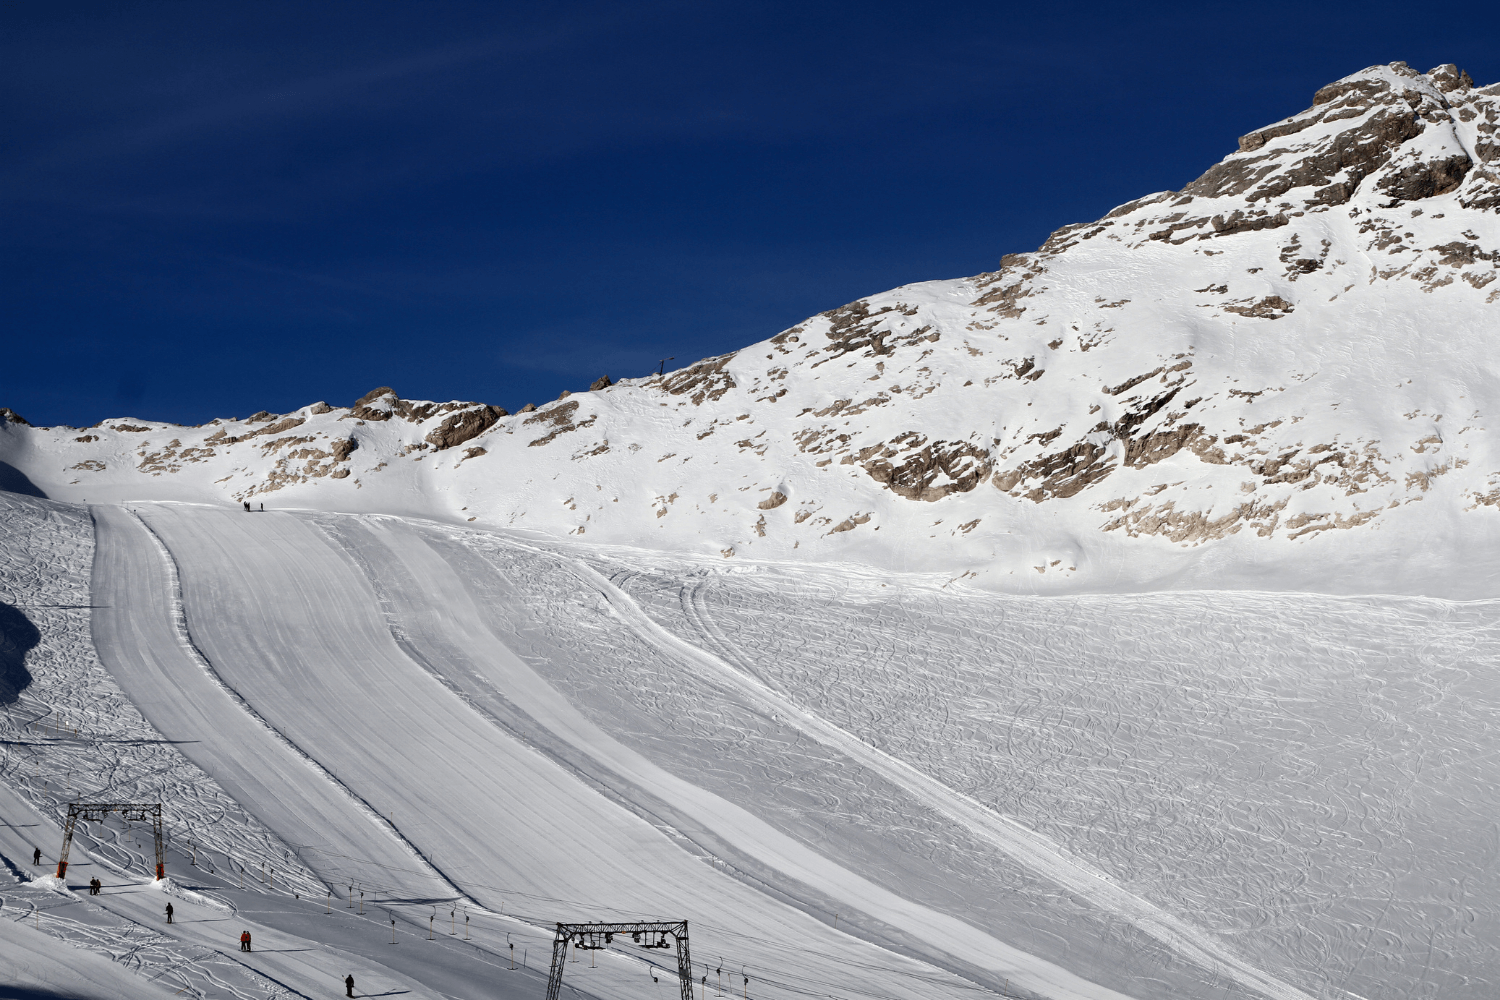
852, 784
1280, 375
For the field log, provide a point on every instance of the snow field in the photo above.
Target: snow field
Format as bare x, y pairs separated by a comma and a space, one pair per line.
45, 563
296, 946
143, 633
1148, 796
74, 735
291, 627
1310, 777
441, 619
727, 737
33, 965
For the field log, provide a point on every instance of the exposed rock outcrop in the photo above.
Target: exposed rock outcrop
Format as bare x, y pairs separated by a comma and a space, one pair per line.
464, 426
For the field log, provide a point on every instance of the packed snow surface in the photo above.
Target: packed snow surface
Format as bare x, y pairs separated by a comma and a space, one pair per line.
1101, 796
1117, 624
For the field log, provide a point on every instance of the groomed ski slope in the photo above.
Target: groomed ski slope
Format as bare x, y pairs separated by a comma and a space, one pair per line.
1143, 796
291, 628
140, 633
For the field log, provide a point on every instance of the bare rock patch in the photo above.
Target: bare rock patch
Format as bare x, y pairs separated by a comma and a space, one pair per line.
464, 426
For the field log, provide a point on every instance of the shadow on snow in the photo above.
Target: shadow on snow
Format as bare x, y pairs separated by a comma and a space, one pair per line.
18, 636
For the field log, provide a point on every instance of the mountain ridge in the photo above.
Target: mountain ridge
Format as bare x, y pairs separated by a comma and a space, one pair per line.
1242, 383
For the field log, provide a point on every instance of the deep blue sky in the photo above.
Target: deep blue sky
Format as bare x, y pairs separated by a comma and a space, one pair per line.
208, 209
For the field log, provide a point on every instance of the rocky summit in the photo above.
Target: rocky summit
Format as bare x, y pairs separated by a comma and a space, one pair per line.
1280, 376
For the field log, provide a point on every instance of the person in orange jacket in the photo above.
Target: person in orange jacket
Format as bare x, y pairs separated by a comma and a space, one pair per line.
245, 941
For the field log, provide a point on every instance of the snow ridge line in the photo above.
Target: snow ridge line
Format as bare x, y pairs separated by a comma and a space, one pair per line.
1022, 844
185, 639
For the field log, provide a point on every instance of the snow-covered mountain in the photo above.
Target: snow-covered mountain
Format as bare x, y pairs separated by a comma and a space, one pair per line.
554, 693
1281, 375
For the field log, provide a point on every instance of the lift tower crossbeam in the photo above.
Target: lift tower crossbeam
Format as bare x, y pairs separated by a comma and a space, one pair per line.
97, 811
595, 936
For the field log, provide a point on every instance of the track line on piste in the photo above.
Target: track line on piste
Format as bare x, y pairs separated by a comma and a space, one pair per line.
1025, 846
799, 862
183, 632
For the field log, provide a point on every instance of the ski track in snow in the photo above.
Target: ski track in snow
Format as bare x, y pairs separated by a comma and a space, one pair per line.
441, 625
290, 624
185, 640
1025, 846
46, 557
1291, 793
724, 744
1313, 777
115, 754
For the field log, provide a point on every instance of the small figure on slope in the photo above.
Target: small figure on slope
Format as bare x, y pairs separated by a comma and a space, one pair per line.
348, 986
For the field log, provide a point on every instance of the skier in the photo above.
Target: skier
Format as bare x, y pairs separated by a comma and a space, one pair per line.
245, 941
36, 856
262, 508
247, 504
94, 885
348, 986
169, 913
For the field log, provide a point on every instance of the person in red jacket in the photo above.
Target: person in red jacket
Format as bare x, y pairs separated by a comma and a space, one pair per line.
245, 941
